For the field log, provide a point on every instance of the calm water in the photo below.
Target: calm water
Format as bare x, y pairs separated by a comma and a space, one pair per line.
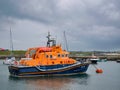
108, 80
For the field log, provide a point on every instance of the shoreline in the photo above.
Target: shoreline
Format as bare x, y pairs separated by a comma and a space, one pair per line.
16, 56
108, 58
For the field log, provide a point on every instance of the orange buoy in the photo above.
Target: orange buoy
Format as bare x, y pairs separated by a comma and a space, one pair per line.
99, 71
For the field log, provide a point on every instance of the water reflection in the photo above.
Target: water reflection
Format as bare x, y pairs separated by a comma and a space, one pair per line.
59, 83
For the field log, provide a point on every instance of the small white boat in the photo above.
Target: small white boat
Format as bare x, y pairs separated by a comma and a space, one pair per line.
9, 60
94, 59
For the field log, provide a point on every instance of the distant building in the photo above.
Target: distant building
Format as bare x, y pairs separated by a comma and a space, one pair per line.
2, 49
112, 54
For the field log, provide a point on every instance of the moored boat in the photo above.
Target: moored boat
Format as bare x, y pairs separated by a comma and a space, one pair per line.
94, 59
47, 61
102, 60
10, 59
118, 61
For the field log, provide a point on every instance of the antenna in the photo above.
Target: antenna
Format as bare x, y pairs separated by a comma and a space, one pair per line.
66, 44
50, 40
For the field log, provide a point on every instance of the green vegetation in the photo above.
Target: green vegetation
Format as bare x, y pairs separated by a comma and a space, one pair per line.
73, 53
15, 52
22, 52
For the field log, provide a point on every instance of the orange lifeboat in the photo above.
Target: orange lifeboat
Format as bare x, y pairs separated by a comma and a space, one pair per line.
49, 60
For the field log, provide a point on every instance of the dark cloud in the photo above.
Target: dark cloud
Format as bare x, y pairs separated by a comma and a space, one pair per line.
89, 24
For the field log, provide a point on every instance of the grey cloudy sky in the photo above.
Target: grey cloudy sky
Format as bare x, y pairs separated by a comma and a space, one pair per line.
89, 24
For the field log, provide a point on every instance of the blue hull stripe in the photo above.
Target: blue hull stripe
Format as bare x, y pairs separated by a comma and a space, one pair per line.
33, 71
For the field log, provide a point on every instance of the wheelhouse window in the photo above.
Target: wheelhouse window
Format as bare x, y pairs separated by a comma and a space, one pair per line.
58, 55
66, 55
63, 55
51, 56
32, 52
47, 56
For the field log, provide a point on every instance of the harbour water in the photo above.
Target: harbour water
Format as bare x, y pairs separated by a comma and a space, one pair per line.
108, 80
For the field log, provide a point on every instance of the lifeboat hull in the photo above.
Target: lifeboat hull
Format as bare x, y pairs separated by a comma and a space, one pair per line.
53, 70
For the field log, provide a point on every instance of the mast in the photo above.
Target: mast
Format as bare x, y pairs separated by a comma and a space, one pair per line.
66, 44
11, 43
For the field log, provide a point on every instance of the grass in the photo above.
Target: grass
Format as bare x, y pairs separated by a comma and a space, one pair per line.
15, 52
80, 53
